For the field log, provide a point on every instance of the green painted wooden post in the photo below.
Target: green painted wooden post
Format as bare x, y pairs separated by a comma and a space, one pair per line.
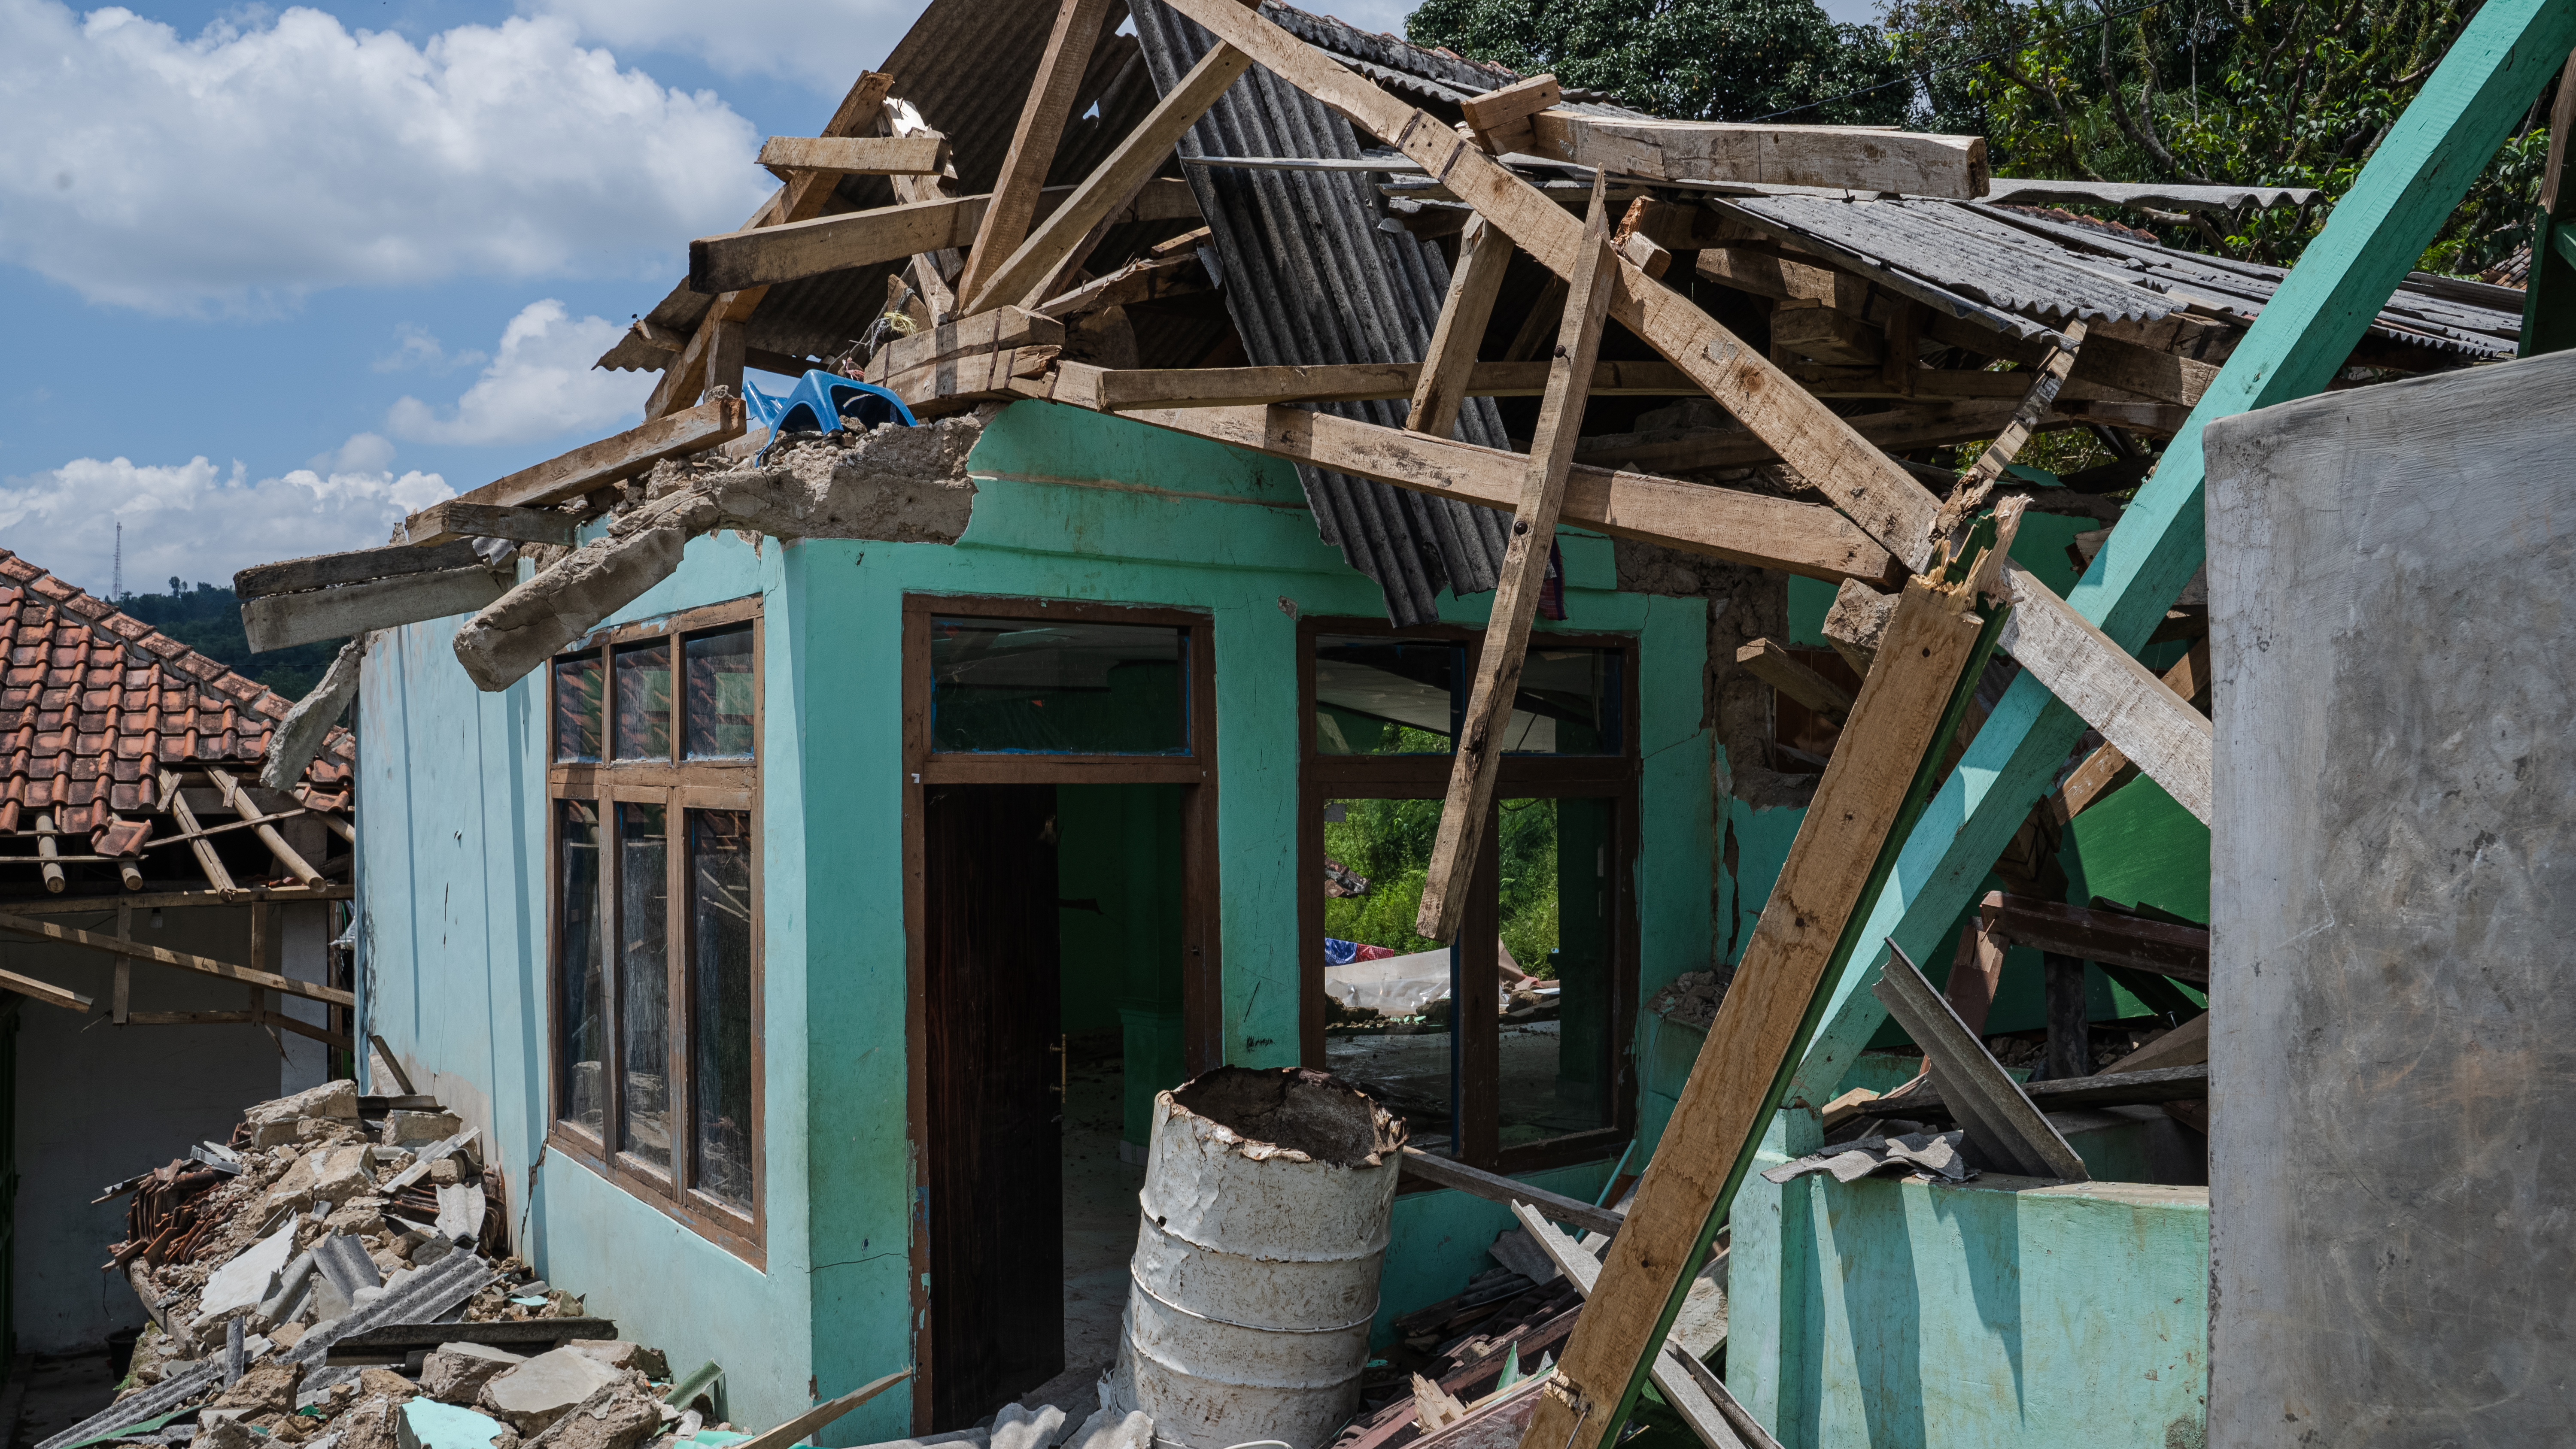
2549, 287
2375, 236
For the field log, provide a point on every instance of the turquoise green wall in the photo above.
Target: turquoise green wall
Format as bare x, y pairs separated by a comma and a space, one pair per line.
1071, 505
1997, 1313
1120, 846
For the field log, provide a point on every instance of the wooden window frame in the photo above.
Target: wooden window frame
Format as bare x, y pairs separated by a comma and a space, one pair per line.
1323, 778
680, 786
1203, 967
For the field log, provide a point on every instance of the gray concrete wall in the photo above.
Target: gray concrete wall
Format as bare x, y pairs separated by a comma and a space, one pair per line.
2394, 898
98, 1103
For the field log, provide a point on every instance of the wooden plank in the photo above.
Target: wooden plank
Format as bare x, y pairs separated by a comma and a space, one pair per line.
1772, 665
1979, 480
175, 801
982, 332
1493, 1187
1762, 271
856, 155
1440, 383
46, 992
357, 566
2185, 1045
29, 926
1699, 1407
1477, 762
2107, 1089
2145, 371
280, 620
1825, 335
766, 256
1500, 119
594, 466
816, 1418
1896, 430
1024, 275
1005, 223
2110, 690
1742, 1068
953, 384
1777, 533
456, 519
1856, 158
1129, 389
2106, 766
1143, 280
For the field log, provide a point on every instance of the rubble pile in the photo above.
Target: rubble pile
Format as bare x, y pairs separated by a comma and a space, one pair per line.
336, 1276
1692, 997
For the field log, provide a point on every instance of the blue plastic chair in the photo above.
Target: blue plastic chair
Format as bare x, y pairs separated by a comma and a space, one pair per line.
821, 402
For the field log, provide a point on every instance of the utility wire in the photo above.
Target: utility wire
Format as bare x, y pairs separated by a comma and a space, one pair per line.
1928, 73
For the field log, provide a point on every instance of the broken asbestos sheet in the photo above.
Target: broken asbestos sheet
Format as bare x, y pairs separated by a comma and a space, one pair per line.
1932, 1155
893, 484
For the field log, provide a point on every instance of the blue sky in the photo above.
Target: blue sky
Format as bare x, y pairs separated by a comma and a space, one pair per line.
275, 276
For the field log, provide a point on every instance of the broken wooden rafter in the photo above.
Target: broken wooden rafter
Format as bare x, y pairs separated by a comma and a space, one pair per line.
29, 926
855, 155
1144, 280
1442, 379
280, 620
2106, 766
1768, 662
1980, 478
1120, 390
2110, 690
176, 803
1997, 1115
1807, 539
1494, 1187
1883, 498
1005, 223
594, 466
256, 1017
240, 801
44, 992
1003, 327
954, 384
1063, 235
1851, 158
767, 256
1477, 761
2075, 1094
2106, 937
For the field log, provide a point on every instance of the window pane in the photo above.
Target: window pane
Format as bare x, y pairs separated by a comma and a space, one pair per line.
643, 983
578, 682
581, 1006
644, 701
1568, 702
1556, 907
1023, 685
1382, 696
720, 981
1387, 991
719, 694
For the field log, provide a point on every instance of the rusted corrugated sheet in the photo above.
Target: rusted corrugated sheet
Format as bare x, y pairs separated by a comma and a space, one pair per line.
1311, 278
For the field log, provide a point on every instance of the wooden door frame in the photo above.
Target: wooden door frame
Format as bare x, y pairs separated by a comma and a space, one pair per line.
1202, 967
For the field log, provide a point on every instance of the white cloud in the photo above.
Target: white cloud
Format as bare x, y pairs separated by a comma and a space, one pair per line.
254, 163
539, 384
416, 348
196, 521
823, 44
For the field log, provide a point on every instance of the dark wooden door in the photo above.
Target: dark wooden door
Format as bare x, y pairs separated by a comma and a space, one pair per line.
992, 1018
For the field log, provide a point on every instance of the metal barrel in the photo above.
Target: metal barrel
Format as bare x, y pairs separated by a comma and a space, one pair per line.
1256, 1268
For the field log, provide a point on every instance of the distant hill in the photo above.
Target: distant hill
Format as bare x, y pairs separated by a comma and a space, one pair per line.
208, 620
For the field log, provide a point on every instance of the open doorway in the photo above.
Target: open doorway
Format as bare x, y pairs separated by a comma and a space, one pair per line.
1053, 1001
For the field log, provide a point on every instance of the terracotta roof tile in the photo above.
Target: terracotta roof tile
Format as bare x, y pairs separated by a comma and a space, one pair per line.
92, 700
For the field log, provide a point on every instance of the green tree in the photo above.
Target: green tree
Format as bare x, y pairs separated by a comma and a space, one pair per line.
208, 620
2235, 92
1708, 60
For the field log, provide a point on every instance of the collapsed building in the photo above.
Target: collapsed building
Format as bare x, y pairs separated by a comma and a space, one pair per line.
1292, 537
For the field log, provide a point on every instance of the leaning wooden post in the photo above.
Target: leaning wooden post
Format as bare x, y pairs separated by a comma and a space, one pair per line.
1479, 755
1051, 96
1912, 699
1484, 255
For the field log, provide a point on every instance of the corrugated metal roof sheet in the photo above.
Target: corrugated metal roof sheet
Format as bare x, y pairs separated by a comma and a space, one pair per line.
1310, 277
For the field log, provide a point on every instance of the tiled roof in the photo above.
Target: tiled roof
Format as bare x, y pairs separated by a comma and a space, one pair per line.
95, 703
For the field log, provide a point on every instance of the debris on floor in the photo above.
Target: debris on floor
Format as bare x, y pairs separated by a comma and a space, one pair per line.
337, 1275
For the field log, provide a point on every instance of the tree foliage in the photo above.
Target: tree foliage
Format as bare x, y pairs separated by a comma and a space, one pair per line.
2238, 92
1707, 60
208, 619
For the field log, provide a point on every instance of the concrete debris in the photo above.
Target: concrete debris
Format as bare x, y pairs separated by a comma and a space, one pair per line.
244, 1281
457, 1372
429, 1424
897, 484
408, 1129
530, 1396
299, 736
1692, 997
